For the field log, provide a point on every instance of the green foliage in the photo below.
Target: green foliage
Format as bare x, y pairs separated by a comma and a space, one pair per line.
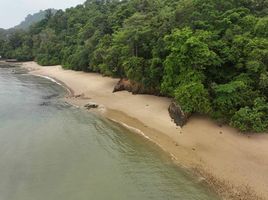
229, 97
193, 97
254, 118
133, 67
189, 52
210, 55
263, 83
48, 52
261, 28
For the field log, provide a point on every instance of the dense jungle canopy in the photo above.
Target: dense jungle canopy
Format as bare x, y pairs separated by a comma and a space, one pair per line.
211, 56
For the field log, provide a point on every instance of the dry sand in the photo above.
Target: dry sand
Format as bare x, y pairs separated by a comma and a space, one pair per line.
235, 164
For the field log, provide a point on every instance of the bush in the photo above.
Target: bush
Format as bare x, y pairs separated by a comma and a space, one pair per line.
252, 119
193, 98
134, 68
230, 97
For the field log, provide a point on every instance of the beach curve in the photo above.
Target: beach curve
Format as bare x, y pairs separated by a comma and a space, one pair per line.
235, 164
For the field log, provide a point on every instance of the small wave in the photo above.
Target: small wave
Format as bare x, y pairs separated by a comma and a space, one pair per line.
54, 81
138, 131
135, 130
49, 78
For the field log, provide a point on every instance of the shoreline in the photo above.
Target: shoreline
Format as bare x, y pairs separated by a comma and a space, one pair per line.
232, 164
107, 116
58, 82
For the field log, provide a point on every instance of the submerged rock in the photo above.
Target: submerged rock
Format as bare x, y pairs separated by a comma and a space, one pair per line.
44, 104
176, 113
91, 105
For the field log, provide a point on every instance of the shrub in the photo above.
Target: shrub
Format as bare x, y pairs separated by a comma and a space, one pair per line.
252, 119
193, 98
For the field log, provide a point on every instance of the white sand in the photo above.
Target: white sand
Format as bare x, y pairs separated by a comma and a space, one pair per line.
236, 164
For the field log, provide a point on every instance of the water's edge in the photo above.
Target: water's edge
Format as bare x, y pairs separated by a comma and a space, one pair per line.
196, 173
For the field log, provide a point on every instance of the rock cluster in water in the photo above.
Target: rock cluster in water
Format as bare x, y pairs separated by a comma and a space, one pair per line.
91, 105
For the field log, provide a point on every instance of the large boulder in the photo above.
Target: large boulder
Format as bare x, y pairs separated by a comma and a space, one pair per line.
133, 87
123, 84
176, 113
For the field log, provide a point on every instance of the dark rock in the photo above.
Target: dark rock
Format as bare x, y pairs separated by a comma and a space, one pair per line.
79, 95
220, 125
133, 87
91, 105
176, 113
118, 87
44, 104
122, 85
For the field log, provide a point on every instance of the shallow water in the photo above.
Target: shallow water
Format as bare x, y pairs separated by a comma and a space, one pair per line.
50, 150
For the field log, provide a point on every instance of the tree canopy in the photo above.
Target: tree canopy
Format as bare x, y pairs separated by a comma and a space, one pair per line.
211, 56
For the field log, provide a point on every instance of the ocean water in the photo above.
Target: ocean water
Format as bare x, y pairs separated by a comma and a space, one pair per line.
50, 150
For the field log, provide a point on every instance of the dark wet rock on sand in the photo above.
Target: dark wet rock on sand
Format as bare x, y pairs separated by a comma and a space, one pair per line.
177, 114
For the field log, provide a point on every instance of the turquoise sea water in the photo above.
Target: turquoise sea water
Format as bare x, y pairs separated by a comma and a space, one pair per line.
50, 150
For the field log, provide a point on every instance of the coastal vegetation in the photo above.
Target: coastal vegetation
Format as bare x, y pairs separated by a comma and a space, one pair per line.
211, 56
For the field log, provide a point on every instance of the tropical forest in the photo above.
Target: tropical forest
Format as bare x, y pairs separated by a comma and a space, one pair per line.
210, 56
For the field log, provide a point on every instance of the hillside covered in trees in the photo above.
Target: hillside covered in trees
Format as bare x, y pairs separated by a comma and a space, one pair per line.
31, 19
211, 56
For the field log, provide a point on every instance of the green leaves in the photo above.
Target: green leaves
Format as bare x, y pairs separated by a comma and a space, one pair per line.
261, 28
193, 98
192, 49
210, 55
190, 54
229, 97
134, 68
47, 48
263, 83
254, 118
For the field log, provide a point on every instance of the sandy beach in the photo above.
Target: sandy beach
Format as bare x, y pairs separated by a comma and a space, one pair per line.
236, 165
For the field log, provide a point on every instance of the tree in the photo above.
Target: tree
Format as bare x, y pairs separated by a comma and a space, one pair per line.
255, 118
210, 56
229, 97
189, 51
193, 98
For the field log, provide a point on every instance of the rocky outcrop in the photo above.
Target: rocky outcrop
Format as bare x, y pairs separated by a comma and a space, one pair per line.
91, 105
122, 85
176, 113
133, 87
